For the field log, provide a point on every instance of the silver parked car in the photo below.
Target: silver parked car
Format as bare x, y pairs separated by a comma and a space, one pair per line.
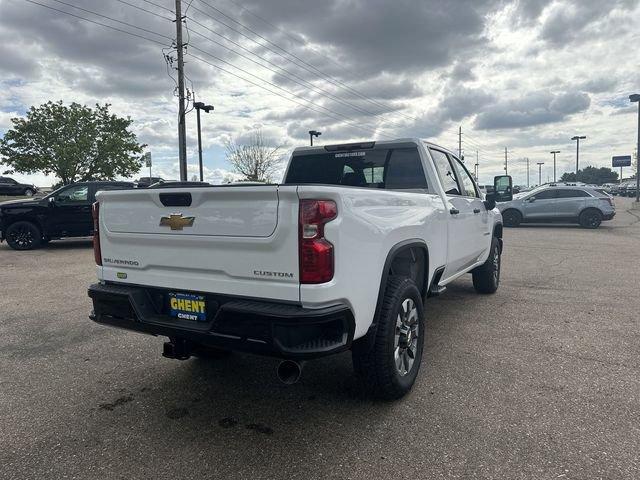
559, 203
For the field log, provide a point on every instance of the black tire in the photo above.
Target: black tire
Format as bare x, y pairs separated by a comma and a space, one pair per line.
486, 277
591, 218
28, 192
389, 368
23, 236
511, 218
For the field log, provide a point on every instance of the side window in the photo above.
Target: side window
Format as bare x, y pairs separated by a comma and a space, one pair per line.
404, 170
545, 195
446, 173
468, 185
572, 194
77, 194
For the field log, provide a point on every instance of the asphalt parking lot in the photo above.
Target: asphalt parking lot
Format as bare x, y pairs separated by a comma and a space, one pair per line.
539, 381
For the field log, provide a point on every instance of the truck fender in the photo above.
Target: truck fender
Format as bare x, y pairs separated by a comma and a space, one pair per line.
368, 339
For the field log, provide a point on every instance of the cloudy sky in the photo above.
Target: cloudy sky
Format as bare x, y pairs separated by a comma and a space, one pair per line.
523, 74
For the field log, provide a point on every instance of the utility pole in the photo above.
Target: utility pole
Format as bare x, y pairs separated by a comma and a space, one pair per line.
540, 173
554, 164
527, 159
460, 142
182, 130
577, 138
506, 171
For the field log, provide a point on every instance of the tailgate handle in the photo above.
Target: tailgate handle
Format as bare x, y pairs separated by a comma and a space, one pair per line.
176, 199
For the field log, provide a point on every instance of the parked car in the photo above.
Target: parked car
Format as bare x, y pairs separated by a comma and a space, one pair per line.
630, 188
144, 182
339, 256
559, 203
10, 187
27, 224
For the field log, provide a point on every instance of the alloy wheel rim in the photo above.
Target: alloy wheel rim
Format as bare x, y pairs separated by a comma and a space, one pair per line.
406, 337
496, 265
22, 237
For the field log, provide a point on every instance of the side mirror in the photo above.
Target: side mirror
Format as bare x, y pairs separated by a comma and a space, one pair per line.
503, 188
52, 201
490, 201
532, 199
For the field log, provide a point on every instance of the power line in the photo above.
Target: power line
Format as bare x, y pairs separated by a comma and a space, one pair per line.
193, 47
145, 10
331, 114
287, 74
109, 18
159, 6
305, 65
96, 22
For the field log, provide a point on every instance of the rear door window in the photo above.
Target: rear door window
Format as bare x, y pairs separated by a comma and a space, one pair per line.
446, 172
545, 195
387, 168
572, 194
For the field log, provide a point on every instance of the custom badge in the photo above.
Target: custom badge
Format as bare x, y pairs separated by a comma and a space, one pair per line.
176, 221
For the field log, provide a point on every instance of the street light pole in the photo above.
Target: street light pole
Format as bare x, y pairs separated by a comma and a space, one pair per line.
540, 173
633, 99
313, 133
207, 108
554, 164
577, 138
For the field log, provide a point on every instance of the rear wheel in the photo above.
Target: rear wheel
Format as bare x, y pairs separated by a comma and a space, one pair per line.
591, 218
23, 236
389, 368
486, 277
29, 192
511, 218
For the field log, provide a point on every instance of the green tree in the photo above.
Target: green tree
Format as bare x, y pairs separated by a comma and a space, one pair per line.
591, 175
75, 143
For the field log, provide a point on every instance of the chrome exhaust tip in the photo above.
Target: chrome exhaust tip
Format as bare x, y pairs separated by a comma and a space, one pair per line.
289, 372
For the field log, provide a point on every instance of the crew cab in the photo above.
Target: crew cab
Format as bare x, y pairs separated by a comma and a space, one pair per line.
28, 224
341, 255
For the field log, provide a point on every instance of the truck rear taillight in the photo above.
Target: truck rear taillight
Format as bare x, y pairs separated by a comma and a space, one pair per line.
95, 210
316, 253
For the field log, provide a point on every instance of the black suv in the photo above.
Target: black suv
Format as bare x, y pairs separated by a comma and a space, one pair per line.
8, 186
27, 224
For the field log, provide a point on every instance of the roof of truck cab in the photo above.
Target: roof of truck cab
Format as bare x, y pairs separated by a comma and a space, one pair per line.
416, 141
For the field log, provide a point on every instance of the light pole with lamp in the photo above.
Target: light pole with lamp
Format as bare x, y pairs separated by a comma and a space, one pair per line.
207, 108
313, 133
633, 99
554, 164
540, 173
577, 138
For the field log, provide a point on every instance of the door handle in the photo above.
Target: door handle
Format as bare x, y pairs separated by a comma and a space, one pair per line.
454, 211
476, 210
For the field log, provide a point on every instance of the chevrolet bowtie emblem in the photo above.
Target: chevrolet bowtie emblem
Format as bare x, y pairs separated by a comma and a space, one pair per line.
176, 221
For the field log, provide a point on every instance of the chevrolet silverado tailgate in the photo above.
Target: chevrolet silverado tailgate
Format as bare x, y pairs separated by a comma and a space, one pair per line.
239, 240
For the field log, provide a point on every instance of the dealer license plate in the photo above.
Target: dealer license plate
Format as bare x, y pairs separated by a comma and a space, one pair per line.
187, 306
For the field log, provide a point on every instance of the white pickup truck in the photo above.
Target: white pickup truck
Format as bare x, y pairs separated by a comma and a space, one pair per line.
341, 255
